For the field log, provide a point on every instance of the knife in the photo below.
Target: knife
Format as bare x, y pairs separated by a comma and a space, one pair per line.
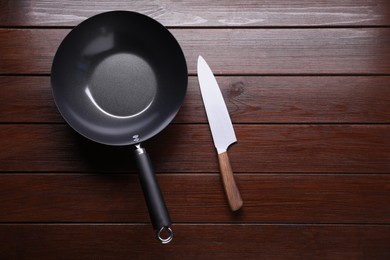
221, 129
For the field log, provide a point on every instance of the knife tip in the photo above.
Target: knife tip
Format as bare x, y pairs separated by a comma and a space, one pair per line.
200, 61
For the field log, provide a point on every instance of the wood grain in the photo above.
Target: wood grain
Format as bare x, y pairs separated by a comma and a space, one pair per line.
189, 148
269, 198
231, 190
307, 86
250, 99
203, 12
250, 51
124, 241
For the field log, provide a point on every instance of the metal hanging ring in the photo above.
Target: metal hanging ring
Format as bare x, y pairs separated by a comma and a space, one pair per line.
167, 239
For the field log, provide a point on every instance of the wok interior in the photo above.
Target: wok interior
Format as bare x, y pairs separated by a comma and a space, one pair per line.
119, 78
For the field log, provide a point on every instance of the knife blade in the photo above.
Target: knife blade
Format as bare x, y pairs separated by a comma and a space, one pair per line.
221, 128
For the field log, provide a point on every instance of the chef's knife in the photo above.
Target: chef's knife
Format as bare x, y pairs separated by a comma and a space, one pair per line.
221, 129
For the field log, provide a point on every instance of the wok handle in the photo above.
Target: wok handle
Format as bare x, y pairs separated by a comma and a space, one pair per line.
158, 211
231, 190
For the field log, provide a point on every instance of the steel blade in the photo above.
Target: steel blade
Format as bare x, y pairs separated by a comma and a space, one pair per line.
219, 120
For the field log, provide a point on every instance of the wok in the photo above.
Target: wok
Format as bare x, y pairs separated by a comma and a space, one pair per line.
119, 78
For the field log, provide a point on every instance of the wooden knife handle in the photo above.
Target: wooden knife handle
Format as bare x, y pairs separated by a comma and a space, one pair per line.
231, 190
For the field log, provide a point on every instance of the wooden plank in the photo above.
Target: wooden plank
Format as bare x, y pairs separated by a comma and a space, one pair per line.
251, 51
28, 51
188, 148
27, 99
73, 241
250, 99
203, 12
268, 198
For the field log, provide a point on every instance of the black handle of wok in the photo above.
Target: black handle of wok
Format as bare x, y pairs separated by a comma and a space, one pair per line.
158, 211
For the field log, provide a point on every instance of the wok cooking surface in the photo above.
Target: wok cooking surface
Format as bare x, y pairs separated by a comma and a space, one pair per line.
122, 85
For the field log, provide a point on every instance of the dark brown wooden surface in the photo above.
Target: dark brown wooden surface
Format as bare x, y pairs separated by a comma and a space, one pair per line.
360, 148
307, 84
197, 241
251, 51
250, 99
203, 12
269, 198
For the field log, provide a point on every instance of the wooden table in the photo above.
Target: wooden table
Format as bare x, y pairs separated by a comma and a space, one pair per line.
307, 84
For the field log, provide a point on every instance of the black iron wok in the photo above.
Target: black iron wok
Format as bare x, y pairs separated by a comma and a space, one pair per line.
119, 78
